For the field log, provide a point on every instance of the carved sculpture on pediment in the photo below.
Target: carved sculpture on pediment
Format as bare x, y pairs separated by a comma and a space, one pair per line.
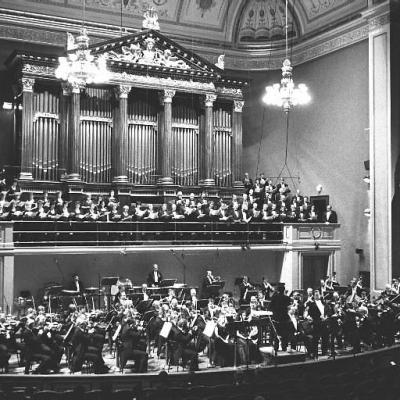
148, 54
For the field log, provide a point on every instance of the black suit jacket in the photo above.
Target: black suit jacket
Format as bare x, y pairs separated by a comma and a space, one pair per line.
151, 281
332, 218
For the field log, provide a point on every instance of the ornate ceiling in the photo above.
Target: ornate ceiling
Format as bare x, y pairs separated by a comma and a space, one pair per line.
208, 26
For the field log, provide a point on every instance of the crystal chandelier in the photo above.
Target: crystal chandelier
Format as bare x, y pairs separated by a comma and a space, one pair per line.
286, 94
80, 67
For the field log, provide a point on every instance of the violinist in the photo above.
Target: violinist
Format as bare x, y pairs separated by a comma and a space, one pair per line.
186, 347
86, 346
133, 346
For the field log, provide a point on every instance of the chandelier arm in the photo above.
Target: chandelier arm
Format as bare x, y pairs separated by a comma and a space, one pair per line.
286, 26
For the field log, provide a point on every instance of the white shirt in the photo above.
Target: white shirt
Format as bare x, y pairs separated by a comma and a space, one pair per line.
321, 308
155, 276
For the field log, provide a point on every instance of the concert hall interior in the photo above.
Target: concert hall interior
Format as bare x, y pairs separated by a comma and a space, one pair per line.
204, 185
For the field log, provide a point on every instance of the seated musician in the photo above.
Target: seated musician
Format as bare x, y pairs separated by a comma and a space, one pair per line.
30, 211
193, 300
185, 349
273, 215
12, 191
175, 213
36, 350
189, 210
126, 215
283, 216
87, 345
247, 338
155, 277
163, 214
298, 331
65, 214
133, 346
169, 299
224, 343
152, 214
247, 182
145, 292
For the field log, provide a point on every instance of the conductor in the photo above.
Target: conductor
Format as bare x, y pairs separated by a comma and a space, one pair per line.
155, 277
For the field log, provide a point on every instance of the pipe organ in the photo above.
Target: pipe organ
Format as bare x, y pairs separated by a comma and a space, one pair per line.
45, 135
222, 119
185, 143
96, 125
166, 119
142, 139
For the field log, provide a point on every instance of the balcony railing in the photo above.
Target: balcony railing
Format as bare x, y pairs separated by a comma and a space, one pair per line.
33, 234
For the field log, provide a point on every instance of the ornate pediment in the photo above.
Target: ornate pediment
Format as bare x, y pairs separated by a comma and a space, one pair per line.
147, 53
151, 48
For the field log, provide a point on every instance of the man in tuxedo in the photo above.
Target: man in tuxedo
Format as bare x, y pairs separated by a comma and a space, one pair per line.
155, 277
207, 281
279, 306
319, 312
330, 216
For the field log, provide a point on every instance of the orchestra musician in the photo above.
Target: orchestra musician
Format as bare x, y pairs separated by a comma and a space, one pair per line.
76, 284
319, 312
155, 277
133, 346
244, 288
279, 306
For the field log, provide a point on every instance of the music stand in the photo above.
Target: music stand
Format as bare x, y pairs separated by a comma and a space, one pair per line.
109, 280
214, 288
167, 282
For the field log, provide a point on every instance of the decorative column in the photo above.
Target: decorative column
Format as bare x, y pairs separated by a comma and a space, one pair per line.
65, 109
237, 128
207, 154
74, 135
120, 136
27, 125
165, 137
380, 139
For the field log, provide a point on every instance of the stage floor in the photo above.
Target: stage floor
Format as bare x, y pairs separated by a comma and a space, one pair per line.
156, 364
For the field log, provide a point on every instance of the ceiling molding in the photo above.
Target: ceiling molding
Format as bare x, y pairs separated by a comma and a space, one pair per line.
41, 29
